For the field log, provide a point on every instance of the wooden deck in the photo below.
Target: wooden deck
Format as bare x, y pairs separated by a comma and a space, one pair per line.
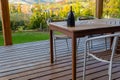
30, 61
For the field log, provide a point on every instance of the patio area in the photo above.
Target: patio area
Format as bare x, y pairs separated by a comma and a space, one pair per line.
30, 61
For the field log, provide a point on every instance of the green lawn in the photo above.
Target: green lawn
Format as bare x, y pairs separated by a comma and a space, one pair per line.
23, 37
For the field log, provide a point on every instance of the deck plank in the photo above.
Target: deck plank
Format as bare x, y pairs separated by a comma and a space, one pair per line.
30, 61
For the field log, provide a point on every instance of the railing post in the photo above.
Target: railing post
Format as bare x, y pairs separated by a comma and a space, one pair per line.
99, 8
6, 22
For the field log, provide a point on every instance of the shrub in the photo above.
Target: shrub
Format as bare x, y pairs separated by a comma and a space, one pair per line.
19, 19
38, 20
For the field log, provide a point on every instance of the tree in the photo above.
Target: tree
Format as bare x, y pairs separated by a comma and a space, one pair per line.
19, 8
12, 8
112, 8
37, 20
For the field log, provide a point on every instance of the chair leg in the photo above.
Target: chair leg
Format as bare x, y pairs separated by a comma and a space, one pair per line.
89, 49
106, 43
54, 50
67, 44
78, 43
84, 65
91, 44
110, 71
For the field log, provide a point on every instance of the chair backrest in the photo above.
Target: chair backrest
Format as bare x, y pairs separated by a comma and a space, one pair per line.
103, 55
114, 41
48, 21
51, 20
114, 44
85, 18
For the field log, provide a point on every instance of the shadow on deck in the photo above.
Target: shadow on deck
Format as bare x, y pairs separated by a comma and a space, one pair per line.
30, 61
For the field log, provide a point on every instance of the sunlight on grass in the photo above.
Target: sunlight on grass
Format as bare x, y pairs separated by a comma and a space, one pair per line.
1, 39
23, 37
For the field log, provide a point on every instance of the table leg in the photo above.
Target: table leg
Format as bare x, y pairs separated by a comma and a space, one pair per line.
51, 47
73, 58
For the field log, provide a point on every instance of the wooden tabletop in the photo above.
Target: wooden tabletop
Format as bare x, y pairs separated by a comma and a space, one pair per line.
87, 26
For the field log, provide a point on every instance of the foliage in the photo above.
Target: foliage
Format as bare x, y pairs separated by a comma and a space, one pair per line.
18, 20
12, 8
19, 8
36, 7
79, 8
41, 12
37, 20
112, 8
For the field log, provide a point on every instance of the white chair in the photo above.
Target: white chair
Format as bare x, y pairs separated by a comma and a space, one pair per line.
58, 37
98, 55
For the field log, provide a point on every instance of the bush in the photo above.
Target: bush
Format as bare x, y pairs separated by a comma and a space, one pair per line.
38, 20
19, 19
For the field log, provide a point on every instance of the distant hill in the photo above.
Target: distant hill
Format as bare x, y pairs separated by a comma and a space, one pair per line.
30, 1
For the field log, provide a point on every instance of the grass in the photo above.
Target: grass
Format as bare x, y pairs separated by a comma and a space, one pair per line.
1, 39
23, 37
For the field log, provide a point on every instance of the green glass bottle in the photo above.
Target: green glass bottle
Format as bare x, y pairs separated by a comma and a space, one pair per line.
71, 18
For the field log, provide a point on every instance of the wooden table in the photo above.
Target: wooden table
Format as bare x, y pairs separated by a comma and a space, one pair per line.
82, 28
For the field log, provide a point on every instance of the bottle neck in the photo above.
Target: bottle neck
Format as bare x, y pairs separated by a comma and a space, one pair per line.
71, 8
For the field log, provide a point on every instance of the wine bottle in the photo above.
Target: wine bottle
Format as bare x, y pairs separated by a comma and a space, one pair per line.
71, 18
